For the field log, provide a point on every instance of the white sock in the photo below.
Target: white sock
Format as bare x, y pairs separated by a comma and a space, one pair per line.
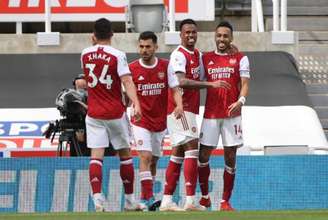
206, 196
129, 197
190, 199
167, 199
97, 195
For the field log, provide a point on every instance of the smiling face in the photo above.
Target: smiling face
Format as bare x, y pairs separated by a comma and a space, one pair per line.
188, 36
223, 39
147, 50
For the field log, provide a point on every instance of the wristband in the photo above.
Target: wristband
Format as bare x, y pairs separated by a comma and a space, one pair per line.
242, 100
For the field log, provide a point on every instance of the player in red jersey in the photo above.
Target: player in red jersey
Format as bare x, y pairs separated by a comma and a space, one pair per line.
105, 69
185, 62
152, 79
222, 114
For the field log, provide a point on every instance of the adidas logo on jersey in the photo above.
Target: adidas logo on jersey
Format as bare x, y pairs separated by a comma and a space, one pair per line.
211, 63
191, 62
141, 78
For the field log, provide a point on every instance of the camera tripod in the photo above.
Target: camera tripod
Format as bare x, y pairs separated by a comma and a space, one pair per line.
67, 139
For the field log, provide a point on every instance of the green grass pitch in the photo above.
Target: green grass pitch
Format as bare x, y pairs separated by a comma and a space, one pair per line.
242, 215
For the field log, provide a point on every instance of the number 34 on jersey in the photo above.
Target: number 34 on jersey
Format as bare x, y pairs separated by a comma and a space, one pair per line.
104, 78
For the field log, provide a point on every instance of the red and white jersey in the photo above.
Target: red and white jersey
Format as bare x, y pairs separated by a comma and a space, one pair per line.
229, 68
188, 62
103, 66
152, 83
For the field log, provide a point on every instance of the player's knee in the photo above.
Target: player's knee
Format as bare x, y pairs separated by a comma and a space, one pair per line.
97, 153
204, 153
124, 153
191, 145
146, 157
154, 160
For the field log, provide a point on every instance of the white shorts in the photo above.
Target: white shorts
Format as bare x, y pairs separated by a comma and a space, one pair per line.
229, 128
100, 132
148, 141
182, 130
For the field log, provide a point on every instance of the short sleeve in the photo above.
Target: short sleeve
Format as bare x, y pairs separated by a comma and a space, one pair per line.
244, 67
177, 62
122, 65
81, 61
172, 77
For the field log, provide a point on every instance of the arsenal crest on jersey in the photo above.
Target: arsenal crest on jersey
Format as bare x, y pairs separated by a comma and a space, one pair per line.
233, 61
161, 75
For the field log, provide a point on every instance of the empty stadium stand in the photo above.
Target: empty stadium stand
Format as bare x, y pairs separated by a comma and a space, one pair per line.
303, 15
313, 66
34, 80
294, 7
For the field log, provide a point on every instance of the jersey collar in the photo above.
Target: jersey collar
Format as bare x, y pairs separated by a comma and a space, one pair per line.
189, 51
219, 53
147, 66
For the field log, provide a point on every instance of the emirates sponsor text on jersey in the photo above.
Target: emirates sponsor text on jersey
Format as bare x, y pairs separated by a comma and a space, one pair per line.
195, 72
220, 72
151, 88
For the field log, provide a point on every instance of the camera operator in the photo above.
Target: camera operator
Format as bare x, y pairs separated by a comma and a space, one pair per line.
80, 85
72, 106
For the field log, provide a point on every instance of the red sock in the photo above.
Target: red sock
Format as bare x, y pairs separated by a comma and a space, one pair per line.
203, 175
190, 171
146, 182
172, 174
127, 174
95, 175
228, 182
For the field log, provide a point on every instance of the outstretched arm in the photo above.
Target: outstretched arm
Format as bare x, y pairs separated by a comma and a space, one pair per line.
194, 84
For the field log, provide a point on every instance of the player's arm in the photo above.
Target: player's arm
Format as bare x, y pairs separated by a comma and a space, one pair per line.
194, 84
178, 66
244, 76
176, 93
178, 111
130, 90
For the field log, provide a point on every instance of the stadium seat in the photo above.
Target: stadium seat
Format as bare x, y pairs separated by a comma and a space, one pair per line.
238, 5
143, 15
300, 7
295, 7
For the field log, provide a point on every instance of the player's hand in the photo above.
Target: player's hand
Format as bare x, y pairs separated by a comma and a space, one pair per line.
136, 112
178, 112
234, 108
220, 84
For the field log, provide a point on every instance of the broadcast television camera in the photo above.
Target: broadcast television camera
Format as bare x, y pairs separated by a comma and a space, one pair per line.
72, 107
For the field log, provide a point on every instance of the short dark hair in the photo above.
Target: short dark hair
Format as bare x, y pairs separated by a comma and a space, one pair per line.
103, 29
146, 35
80, 76
187, 21
225, 24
